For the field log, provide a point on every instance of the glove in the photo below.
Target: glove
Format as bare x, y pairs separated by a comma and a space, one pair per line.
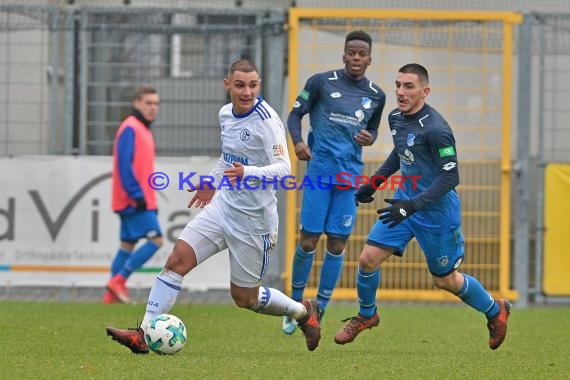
365, 192
395, 214
141, 204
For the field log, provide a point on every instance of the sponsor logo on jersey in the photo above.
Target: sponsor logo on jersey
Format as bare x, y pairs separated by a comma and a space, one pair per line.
231, 158
359, 115
343, 118
336, 95
297, 104
410, 140
304, 94
393, 132
347, 220
244, 134
450, 165
407, 158
447, 151
366, 102
278, 150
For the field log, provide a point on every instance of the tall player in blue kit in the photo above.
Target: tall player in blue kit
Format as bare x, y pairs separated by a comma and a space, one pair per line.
344, 110
424, 147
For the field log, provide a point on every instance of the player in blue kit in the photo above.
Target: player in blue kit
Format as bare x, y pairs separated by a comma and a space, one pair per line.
344, 110
424, 147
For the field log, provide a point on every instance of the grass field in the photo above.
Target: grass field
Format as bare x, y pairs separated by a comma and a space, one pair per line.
68, 341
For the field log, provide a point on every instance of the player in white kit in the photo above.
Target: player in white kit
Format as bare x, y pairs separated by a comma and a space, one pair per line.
242, 216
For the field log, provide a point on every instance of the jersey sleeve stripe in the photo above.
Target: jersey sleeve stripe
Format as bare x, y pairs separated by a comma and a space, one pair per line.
262, 112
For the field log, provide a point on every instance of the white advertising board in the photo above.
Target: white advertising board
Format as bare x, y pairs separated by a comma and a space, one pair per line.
57, 227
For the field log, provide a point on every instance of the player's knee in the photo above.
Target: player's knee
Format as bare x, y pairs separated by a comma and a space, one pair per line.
438, 283
309, 244
335, 246
371, 257
448, 282
182, 259
245, 301
246, 304
367, 264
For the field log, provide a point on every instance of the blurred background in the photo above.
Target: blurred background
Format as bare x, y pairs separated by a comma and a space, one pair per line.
499, 72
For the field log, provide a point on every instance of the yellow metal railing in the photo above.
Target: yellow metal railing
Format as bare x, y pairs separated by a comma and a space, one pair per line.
469, 56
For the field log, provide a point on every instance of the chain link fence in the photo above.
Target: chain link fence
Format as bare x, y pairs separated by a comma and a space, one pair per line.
29, 78
549, 144
68, 72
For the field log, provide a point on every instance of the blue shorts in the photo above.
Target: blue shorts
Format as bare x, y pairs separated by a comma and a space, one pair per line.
138, 225
330, 211
443, 250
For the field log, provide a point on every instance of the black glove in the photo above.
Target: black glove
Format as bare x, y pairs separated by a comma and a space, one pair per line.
141, 204
395, 214
365, 193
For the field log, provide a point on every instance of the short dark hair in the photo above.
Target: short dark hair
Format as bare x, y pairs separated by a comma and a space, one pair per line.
359, 35
416, 68
243, 65
144, 90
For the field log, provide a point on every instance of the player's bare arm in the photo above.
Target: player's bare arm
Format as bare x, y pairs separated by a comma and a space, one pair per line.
364, 138
303, 151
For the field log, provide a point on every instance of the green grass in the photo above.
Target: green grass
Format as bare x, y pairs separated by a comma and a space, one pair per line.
68, 341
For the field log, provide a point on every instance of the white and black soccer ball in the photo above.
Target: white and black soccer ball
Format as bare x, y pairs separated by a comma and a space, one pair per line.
165, 334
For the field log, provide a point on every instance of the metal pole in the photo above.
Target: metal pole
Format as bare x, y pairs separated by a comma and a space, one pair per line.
522, 196
54, 78
83, 78
68, 81
274, 50
540, 172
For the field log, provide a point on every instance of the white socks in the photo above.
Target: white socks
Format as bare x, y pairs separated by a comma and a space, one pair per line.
167, 286
163, 294
273, 302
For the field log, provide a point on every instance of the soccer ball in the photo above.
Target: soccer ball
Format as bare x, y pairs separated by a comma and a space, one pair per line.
165, 334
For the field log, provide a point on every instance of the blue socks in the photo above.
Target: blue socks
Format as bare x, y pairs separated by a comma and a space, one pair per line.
475, 295
302, 264
330, 274
119, 261
366, 285
138, 258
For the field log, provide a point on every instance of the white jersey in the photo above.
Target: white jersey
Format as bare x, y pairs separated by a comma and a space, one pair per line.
257, 140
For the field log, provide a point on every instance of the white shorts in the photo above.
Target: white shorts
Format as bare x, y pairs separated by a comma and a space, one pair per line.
208, 233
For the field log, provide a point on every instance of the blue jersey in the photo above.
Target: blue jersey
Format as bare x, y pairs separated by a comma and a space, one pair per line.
339, 107
425, 146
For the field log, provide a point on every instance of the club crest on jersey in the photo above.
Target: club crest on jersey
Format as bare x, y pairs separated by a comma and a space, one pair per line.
366, 102
443, 261
244, 134
411, 138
